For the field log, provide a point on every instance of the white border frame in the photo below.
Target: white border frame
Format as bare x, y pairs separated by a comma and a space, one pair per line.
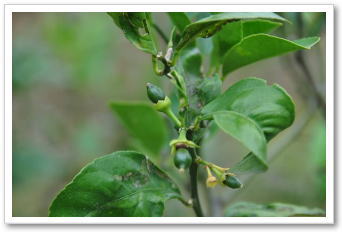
329, 219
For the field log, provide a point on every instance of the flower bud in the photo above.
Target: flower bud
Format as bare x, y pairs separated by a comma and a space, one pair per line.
155, 93
211, 181
232, 182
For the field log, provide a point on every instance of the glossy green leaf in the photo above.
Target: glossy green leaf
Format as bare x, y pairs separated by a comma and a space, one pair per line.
230, 35
251, 27
234, 32
261, 46
122, 184
144, 123
136, 26
248, 209
245, 130
179, 19
269, 106
208, 26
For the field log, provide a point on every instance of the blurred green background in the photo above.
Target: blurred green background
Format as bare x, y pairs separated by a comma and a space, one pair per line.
67, 67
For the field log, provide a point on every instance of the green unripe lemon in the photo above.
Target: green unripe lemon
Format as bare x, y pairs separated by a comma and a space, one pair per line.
182, 159
155, 93
232, 182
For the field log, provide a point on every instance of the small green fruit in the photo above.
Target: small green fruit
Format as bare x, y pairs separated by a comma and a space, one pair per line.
232, 182
155, 93
182, 159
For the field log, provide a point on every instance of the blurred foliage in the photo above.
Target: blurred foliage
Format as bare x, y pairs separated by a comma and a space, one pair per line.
248, 209
79, 45
28, 163
317, 149
30, 67
67, 67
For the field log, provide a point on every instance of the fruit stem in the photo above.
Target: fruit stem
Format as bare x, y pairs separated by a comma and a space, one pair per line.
169, 113
199, 160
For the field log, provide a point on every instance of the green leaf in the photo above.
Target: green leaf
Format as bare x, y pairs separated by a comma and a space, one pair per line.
234, 32
179, 19
209, 89
122, 184
261, 46
244, 130
251, 27
248, 209
230, 35
144, 123
136, 26
208, 26
270, 107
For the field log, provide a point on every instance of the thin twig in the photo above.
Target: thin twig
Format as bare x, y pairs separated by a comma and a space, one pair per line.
195, 152
193, 183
